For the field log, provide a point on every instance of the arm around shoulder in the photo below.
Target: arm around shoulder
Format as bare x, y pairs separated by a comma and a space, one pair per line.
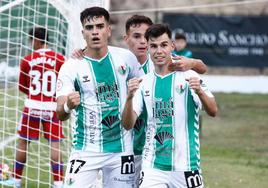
199, 66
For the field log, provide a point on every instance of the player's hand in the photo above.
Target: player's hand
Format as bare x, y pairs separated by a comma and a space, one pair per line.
133, 85
73, 100
195, 84
180, 63
77, 54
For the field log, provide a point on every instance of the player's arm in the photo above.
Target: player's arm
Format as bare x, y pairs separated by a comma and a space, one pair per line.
208, 103
181, 63
129, 116
65, 104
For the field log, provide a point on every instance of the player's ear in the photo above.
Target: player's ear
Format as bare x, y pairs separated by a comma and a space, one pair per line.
82, 31
125, 37
173, 44
109, 31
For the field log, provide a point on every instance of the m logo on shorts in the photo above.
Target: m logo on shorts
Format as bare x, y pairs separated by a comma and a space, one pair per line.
193, 179
127, 164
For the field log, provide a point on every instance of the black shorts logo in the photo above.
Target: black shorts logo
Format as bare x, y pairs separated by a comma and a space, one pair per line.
127, 164
193, 179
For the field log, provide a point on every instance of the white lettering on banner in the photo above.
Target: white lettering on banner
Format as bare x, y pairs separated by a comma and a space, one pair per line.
201, 38
238, 51
224, 38
246, 39
245, 51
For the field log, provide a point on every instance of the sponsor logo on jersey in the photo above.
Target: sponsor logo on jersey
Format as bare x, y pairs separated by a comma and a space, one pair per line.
107, 92
109, 121
122, 69
147, 93
163, 109
46, 115
193, 179
162, 136
127, 164
86, 79
92, 126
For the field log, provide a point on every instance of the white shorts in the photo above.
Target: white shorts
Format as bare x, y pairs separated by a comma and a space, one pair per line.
138, 175
165, 179
83, 168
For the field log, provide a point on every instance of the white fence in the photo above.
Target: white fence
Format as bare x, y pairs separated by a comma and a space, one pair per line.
239, 84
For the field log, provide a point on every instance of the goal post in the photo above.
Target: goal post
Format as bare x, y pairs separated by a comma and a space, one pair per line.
61, 19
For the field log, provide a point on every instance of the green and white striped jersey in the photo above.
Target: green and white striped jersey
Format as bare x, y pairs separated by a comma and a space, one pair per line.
172, 132
147, 66
102, 85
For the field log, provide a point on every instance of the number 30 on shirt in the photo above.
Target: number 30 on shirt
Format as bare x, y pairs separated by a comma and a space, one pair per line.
41, 85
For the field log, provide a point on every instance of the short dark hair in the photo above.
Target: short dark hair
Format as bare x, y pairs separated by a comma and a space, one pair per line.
91, 12
39, 33
180, 36
137, 20
157, 30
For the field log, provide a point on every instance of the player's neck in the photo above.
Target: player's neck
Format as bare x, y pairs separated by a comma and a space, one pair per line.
162, 69
96, 53
43, 46
142, 59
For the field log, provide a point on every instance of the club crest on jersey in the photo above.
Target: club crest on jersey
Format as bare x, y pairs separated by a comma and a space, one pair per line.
180, 88
122, 69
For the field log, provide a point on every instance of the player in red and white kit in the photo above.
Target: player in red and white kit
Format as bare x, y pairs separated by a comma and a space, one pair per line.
37, 79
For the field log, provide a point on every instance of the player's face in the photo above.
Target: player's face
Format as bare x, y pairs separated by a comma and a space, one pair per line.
136, 41
96, 32
180, 44
160, 49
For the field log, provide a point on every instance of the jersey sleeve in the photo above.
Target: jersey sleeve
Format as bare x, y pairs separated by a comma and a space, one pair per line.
134, 66
24, 80
65, 82
138, 101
